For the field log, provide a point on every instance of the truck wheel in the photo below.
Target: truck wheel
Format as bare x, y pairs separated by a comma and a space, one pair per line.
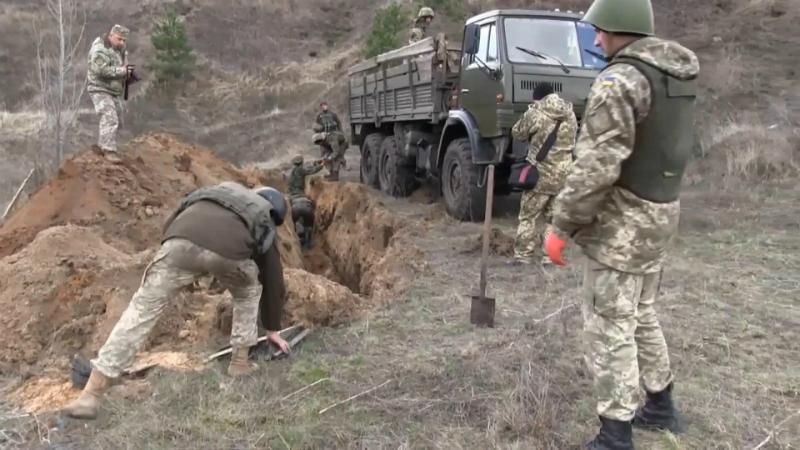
396, 178
370, 152
463, 199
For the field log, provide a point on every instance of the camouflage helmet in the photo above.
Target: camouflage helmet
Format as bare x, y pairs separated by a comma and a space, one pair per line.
318, 138
317, 127
297, 160
425, 11
622, 16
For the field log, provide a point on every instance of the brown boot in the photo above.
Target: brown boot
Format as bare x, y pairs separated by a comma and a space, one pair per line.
86, 406
240, 363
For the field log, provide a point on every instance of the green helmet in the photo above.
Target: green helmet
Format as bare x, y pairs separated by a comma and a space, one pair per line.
297, 160
622, 16
425, 12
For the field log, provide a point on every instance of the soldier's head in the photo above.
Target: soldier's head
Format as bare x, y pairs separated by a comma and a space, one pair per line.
297, 160
323, 106
118, 36
542, 90
620, 22
425, 15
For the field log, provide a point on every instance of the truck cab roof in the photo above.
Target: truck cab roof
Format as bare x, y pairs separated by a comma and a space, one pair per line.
525, 12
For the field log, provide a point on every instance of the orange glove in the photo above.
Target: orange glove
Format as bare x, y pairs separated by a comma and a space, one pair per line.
554, 245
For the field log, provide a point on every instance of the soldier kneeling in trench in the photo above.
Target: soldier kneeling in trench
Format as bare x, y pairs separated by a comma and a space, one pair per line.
228, 231
302, 206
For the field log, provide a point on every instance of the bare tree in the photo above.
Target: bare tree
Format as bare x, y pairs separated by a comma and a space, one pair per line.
57, 42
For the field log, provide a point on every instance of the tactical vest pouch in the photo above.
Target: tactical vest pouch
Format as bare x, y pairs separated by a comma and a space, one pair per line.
524, 175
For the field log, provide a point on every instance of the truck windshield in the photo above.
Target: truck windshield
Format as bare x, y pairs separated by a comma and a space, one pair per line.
566, 40
557, 38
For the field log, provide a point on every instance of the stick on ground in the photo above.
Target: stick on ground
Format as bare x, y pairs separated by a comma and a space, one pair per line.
323, 411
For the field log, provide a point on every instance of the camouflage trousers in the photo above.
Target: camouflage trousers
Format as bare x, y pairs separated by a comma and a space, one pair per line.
336, 144
177, 264
535, 212
109, 109
622, 338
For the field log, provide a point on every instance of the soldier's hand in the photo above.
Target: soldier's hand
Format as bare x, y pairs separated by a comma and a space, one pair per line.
280, 342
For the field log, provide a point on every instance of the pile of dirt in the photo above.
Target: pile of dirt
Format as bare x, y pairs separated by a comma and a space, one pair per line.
73, 255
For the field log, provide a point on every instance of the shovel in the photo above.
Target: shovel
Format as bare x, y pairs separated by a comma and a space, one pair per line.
481, 311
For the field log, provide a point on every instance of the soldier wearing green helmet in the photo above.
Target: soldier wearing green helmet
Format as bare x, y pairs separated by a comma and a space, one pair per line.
421, 23
620, 204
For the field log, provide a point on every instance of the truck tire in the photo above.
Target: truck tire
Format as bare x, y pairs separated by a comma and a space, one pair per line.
464, 200
370, 152
395, 178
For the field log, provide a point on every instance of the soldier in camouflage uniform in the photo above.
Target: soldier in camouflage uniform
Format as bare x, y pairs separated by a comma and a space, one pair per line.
302, 206
421, 24
108, 70
329, 135
620, 204
228, 231
535, 205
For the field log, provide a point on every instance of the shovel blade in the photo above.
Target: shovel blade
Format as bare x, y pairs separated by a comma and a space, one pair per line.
481, 311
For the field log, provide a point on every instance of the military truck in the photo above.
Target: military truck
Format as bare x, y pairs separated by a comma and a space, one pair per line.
436, 111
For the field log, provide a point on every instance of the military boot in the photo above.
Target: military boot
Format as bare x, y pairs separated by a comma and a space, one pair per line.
240, 362
613, 435
659, 413
86, 406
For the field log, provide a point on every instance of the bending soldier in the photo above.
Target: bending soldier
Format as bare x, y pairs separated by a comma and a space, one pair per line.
302, 206
228, 231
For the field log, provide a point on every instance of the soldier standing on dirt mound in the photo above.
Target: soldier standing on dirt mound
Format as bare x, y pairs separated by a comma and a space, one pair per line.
621, 204
329, 135
228, 231
420, 29
535, 212
302, 206
108, 71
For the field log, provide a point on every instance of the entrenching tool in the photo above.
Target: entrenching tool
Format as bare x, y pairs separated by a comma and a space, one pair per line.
297, 332
481, 311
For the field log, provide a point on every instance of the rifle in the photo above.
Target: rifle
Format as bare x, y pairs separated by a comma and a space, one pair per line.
130, 79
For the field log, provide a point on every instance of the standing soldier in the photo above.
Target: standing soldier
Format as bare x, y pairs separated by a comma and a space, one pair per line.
106, 77
329, 135
621, 205
302, 206
228, 231
420, 29
535, 212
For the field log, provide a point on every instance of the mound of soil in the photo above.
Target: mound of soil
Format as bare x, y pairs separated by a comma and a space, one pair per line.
73, 255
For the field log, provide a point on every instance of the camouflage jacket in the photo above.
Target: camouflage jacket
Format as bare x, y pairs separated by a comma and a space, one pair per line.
107, 71
535, 125
297, 179
329, 121
416, 34
612, 225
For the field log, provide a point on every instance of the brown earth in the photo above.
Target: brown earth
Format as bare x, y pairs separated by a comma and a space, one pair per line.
72, 256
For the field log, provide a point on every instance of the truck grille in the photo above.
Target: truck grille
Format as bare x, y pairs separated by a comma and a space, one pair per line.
530, 85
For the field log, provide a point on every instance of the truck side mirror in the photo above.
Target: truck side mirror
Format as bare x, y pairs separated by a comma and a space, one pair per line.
472, 38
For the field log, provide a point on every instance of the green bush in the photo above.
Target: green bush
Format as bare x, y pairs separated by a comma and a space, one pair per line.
388, 28
173, 55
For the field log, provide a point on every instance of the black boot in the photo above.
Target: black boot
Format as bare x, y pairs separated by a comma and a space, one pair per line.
613, 435
659, 413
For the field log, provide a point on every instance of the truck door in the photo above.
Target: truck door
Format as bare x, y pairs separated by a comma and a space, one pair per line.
479, 90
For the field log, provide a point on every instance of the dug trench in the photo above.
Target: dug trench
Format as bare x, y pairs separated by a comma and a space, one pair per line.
73, 254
